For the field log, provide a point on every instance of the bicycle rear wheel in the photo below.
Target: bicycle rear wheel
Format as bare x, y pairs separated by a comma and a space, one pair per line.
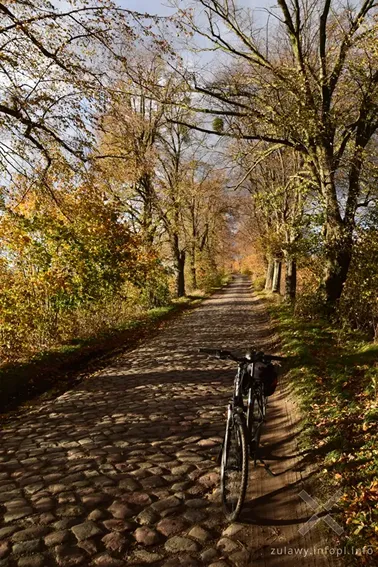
234, 467
254, 423
265, 403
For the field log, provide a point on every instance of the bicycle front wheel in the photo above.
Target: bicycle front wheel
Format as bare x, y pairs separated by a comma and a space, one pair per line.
234, 467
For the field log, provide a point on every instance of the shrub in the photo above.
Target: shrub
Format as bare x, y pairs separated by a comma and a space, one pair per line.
359, 302
259, 283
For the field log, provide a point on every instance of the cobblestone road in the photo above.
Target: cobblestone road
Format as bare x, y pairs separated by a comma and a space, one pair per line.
122, 470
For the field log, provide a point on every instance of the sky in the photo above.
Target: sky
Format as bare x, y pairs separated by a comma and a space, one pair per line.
160, 7
163, 8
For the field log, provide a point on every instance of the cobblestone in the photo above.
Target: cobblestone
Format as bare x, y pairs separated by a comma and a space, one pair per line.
29, 533
171, 526
146, 536
194, 516
26, 547
17, 514
144, 557
32, 561
177, 543
89, 545
8, 531
232, 530
106, 560
208, 555
199, 533
57, 538
166, 503
4, 549
126, 459
86, 530
227, 545
120, 511
115, 541
118, 525
69, 556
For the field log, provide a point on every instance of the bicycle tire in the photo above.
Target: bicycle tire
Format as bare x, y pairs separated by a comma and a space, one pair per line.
234, 467
265, 403
254, 424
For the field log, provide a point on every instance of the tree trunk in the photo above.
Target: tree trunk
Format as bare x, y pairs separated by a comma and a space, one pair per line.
339, 232
339, 243
290, 279
180, 281
277, 276
193, 267
338, 240
179, 257
147, 212
269, 275
338, 255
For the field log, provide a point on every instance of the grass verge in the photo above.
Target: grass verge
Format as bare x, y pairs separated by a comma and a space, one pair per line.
52, 372
335, 375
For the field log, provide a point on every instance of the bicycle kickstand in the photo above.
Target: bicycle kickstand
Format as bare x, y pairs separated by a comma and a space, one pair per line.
266, 467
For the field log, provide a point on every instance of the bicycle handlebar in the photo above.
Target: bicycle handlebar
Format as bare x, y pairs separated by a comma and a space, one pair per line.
221, 354
252, 356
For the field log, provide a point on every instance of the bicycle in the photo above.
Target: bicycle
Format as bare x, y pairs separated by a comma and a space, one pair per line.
243, 426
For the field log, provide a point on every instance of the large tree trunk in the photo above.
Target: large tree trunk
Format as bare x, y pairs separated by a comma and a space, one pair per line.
277, 276
269, 275
338, 241
290, 279
338, 248
193, 267
338, 255
339, 232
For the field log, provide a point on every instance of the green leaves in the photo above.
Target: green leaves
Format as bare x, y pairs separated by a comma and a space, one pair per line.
218, 125
53, 266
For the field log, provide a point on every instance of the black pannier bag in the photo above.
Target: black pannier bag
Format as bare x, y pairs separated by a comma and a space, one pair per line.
268, 374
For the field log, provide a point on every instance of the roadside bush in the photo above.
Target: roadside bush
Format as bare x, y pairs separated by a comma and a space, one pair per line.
207, 281
67, 278
259, 283
310, 305
155, 290
359, 302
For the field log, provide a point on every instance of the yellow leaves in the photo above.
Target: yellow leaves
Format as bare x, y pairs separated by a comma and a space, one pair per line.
358, 529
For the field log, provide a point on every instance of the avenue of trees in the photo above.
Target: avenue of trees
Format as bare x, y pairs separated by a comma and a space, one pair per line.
133, 172
108, 205
307, 81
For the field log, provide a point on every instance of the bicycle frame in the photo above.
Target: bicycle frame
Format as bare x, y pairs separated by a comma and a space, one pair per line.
237, 406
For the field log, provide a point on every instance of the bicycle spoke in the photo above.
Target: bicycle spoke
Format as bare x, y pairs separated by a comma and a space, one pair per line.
255, 420
234, 470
